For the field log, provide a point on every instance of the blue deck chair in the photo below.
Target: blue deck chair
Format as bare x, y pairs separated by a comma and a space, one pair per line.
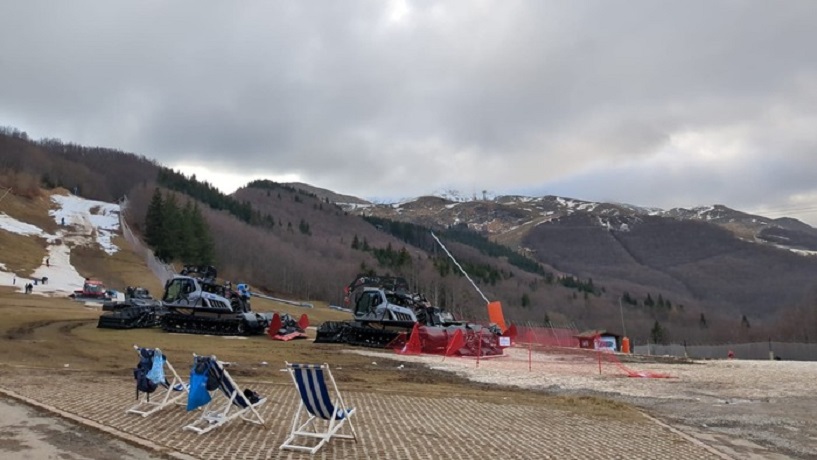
218, 411
166, 392
321, 413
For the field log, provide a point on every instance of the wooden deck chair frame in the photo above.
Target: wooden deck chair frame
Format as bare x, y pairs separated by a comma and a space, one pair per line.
318, 416
220, 411
173, 393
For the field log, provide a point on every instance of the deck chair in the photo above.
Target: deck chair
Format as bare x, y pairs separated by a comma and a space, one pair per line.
320, 415
169, 392
234, 403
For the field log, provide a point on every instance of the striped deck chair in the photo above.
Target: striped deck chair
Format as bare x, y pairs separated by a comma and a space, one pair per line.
166, 392
234, 404
320, 415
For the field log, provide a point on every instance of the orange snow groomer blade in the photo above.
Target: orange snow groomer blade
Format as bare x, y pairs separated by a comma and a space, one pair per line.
495, 314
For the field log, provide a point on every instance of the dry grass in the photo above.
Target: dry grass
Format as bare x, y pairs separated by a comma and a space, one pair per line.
50, 333
118, 271
30, 210
21, 254
41, 332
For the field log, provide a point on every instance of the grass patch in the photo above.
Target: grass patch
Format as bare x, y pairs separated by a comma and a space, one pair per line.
22, 254
33, 211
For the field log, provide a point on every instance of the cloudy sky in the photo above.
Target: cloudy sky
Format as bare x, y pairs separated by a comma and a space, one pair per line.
654, 103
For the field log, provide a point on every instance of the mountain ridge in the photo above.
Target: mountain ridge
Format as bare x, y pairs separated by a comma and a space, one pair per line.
698, 272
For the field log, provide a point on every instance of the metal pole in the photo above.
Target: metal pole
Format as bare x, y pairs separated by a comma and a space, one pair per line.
460, 267
621, 310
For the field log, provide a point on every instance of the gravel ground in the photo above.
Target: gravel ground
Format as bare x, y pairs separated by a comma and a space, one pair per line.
738, 403
26, 433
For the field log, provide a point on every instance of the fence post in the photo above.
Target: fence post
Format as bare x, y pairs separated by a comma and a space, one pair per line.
479, 347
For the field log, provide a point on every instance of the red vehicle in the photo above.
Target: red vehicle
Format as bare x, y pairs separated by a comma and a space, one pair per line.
91, 289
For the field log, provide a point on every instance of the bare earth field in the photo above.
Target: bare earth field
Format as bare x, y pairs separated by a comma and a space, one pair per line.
713, 409
742, 404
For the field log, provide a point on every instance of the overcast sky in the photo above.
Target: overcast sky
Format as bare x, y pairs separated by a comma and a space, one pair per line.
653, 103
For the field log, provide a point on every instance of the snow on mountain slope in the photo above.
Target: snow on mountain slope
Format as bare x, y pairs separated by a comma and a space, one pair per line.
82, 223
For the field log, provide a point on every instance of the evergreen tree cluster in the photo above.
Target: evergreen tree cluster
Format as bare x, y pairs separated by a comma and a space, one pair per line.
265, 184
648, 301
419, 236
387, 257
177, 232
204, 192
208, 194
659, 334
572, 282
483, 273
461, 233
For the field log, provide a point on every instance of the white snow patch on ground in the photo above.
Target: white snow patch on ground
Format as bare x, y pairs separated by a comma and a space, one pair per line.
89, 218
13, 225
87, 222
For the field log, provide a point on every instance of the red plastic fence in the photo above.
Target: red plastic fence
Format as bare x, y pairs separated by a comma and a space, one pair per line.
534, 349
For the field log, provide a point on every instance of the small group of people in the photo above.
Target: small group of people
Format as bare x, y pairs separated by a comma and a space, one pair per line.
29, 288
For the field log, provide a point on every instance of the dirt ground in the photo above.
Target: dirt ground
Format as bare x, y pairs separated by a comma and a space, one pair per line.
27, 433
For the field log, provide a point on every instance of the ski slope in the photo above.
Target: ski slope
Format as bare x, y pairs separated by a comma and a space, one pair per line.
81, 222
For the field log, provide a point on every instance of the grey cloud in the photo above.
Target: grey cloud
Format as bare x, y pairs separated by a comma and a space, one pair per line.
505, 95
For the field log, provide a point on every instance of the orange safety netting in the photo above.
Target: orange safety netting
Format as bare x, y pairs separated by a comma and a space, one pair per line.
448, 341
611, 357
547, 336
548, 350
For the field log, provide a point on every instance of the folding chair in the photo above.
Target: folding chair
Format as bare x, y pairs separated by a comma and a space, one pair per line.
171, 392
318, 416
235, 404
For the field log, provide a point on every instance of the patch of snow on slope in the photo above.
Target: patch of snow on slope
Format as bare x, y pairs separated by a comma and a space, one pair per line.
703, 212
89, 218
13, 225
63, 278
86, 222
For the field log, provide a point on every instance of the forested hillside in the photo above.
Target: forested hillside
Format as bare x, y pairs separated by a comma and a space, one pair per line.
661, 280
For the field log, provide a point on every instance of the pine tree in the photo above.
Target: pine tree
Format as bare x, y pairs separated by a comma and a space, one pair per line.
526, 300
172, 226
702, 322
205, 247
188, 241
648, 302
658, 333
403, 258
154, 230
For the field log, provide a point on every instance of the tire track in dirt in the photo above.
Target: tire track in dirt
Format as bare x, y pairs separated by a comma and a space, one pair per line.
27, 330
36, 340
